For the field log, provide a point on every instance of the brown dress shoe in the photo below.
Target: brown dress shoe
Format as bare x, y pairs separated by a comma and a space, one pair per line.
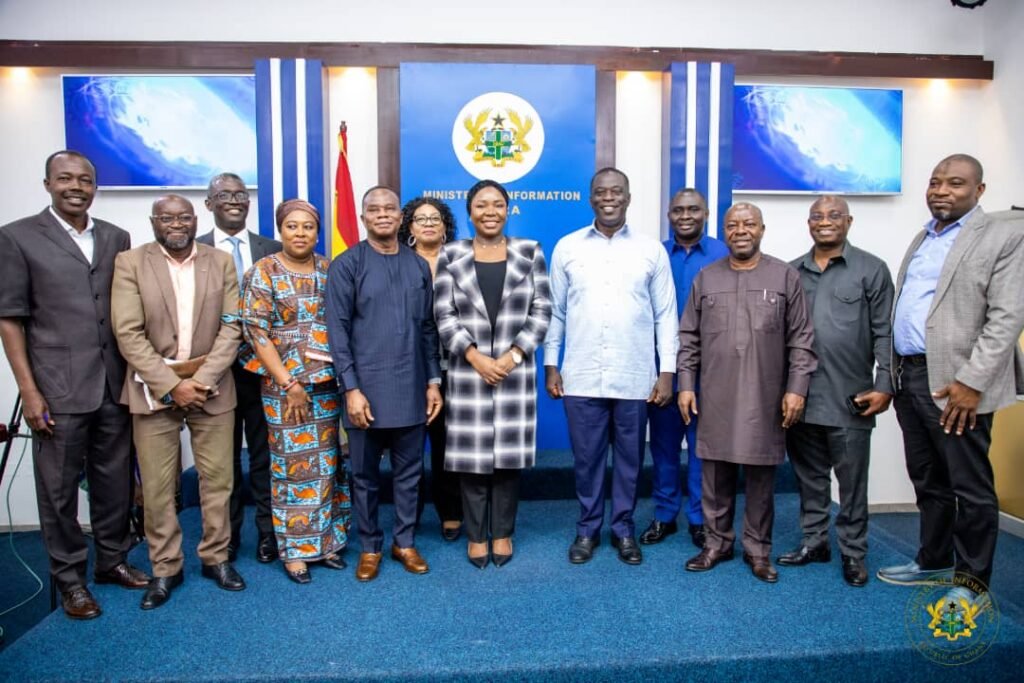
762, 568
708, 558
78, 603
368, 567
124, 575
410, 559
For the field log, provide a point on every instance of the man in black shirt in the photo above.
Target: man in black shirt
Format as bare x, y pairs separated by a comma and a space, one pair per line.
850, 294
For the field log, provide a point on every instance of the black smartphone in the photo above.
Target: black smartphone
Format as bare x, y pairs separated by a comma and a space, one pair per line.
853, 406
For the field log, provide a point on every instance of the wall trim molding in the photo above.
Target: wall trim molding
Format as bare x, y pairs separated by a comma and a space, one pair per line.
241, 55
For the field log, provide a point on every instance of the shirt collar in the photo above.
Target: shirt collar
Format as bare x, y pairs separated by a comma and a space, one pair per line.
930, 225
701, 244
808, 262
89, 225
176, 262
622, 232
219, 236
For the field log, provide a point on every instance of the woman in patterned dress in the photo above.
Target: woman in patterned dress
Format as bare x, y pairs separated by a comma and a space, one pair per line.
283, 321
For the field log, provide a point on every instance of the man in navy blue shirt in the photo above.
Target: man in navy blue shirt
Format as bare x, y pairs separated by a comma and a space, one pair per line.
689, 249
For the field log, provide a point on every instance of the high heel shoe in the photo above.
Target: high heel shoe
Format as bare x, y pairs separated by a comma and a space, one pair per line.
480, 562
334, 562
501, 560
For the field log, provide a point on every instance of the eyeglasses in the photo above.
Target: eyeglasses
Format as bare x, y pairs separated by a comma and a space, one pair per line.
240, 196
183, 218
427, 220
831, 215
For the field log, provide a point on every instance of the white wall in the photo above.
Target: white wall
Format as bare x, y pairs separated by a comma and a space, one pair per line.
940, 117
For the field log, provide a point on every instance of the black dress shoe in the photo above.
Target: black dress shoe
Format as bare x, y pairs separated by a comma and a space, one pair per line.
804, 555
854, 571
299, 576
334, 562
266, 549
629, 551
451, 534
226, 576
159, 590
657, 531
582, 549
479, 562
698, 535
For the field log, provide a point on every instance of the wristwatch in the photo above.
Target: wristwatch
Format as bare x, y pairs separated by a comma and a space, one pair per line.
517, 357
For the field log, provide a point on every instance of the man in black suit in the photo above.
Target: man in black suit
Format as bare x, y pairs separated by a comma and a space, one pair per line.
55, 327
228, 200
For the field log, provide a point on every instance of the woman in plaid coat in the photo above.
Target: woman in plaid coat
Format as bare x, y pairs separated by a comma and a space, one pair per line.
493, 306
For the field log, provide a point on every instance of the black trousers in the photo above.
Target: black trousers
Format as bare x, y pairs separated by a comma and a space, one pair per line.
366, 447
444, 485
952, 478
815, 450
250, 418
496, 493
99, 442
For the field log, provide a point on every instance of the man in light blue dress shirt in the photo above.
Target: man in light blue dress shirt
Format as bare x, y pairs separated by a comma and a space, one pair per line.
956, 325
613, 304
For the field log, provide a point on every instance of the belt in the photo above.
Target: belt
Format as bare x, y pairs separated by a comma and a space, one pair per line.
916, 359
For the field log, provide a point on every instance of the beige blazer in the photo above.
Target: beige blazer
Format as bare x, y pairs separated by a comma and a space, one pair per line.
977, 313
144, 313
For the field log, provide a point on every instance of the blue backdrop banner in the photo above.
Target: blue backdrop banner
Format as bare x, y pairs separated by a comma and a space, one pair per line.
531, 128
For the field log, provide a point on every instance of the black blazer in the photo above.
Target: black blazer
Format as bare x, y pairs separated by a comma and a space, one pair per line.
259, 245
64, 304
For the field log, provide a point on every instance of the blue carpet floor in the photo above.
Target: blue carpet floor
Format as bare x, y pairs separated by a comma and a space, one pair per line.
538, 618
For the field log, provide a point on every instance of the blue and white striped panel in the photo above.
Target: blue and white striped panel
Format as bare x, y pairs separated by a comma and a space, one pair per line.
291, 138
699, 140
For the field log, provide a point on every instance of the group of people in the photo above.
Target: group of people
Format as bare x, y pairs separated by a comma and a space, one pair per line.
412, 335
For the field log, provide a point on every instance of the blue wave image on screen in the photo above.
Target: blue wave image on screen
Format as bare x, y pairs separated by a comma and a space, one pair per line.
156, 131
817, 139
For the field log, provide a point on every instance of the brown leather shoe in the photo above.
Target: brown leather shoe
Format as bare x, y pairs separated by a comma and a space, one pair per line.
368, 567
410, 559
708, 558
124, 575
762, 568
78, 603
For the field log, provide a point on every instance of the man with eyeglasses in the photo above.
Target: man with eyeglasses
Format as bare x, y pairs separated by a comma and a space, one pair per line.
55, 325
849, 293
228, 201
174, 305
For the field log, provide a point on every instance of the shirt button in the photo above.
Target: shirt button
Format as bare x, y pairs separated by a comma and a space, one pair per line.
97, 297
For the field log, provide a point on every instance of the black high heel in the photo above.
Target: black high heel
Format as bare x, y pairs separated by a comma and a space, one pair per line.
502, 560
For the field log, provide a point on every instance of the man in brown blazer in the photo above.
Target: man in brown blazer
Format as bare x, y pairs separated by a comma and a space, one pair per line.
55, 323
173, 305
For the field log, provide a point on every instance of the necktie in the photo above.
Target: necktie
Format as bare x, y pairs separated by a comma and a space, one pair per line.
237, 255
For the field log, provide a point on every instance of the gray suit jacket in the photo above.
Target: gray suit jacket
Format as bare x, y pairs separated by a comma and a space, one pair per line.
64, 303
259, 245
974, 324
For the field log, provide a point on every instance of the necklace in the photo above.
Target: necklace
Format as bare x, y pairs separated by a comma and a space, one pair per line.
500, 243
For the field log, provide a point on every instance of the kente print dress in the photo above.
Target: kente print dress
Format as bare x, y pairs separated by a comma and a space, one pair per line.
309, 489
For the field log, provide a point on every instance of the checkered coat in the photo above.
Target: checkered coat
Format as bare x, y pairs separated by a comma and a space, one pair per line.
491, 427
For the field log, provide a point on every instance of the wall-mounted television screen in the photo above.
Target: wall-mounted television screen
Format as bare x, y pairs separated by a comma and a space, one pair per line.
162, 131
800, 139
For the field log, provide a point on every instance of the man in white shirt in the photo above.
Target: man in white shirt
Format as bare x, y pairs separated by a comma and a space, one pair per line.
228, 200
613, 304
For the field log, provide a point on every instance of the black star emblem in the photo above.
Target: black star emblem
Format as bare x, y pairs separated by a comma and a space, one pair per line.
499, 120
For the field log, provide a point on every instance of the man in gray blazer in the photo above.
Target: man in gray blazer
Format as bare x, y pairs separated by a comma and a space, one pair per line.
956, 360
228, 201
55, 325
